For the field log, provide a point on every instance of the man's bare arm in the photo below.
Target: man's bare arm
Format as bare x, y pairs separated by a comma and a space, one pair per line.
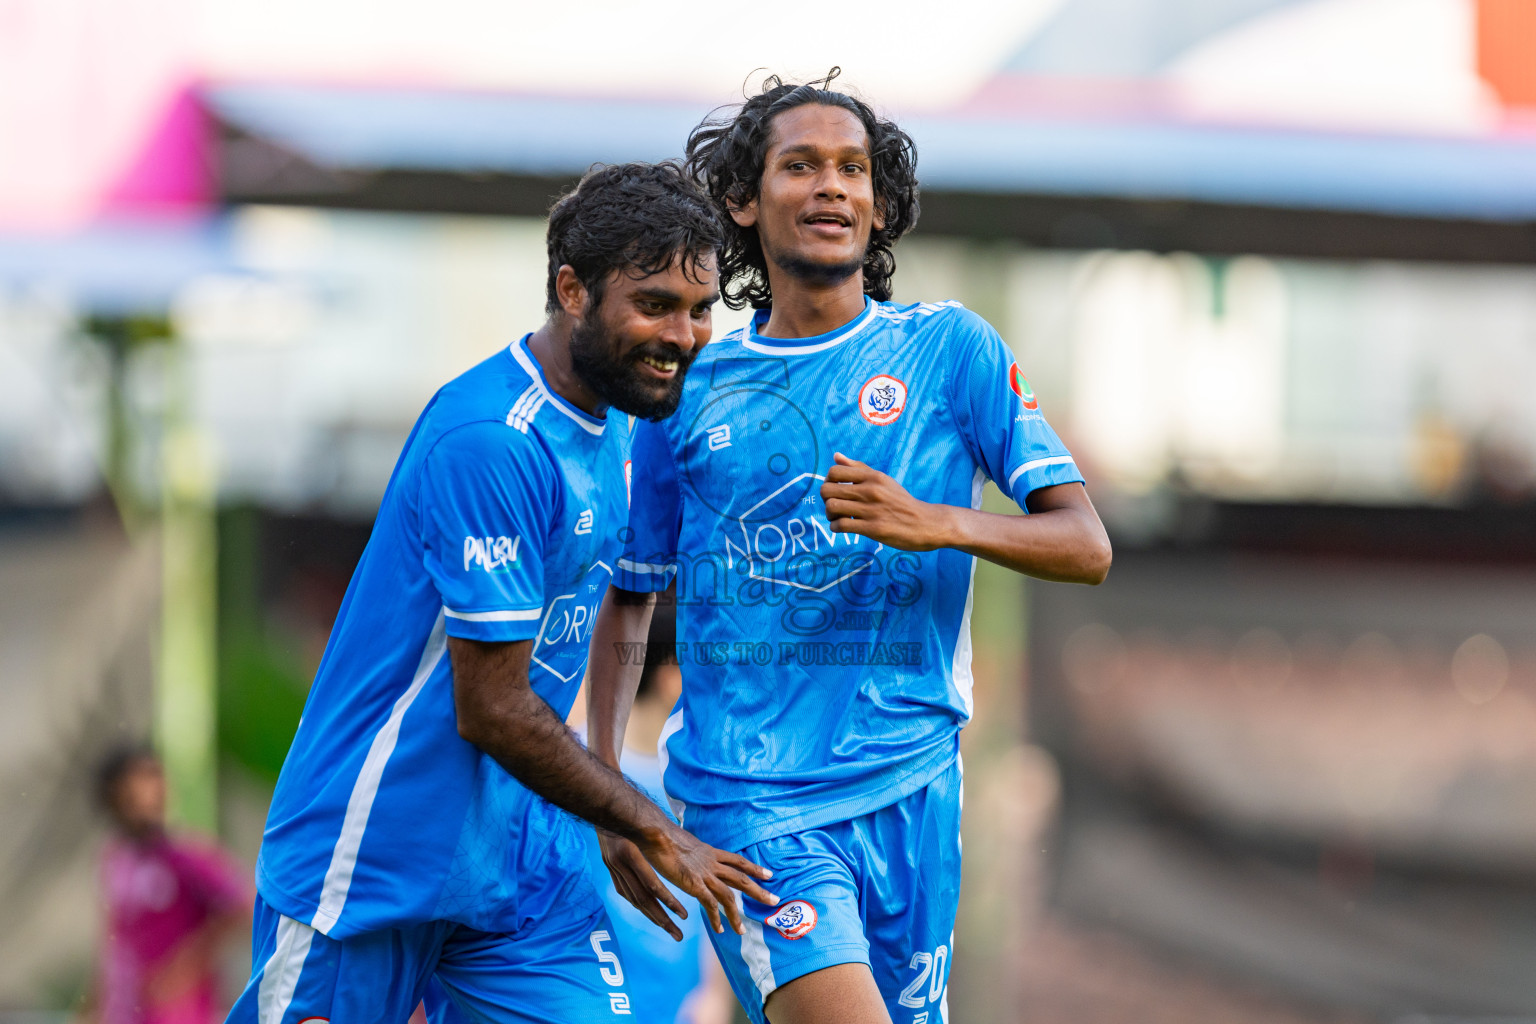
617, 661
613, 671
1061, 539
498, 712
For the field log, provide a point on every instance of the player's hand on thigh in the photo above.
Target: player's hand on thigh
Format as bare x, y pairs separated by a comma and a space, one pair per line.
708, 875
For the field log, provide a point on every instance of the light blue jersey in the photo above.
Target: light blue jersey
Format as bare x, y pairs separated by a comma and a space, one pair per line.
824, 675
500, 523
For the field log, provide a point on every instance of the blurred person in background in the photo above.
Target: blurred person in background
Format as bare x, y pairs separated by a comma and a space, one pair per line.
819, 733
419, 830
674, 982
171, 905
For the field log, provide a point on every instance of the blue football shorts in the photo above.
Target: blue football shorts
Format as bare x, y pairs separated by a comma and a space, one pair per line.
880, 889
565, 967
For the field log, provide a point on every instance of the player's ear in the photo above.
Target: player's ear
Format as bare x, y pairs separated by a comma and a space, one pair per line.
744, 215
570, 291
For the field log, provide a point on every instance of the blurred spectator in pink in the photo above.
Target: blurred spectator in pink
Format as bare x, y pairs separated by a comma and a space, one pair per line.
170, 903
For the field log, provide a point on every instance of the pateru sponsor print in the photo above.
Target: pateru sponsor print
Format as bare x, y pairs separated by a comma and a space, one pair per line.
490, 553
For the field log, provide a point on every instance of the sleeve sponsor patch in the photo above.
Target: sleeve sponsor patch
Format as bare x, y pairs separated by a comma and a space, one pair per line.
1020, 386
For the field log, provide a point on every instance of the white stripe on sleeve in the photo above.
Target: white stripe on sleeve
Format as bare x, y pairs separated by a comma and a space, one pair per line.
1054, 460
527, 615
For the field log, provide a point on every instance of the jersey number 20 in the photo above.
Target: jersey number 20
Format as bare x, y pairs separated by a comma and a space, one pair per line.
927, 964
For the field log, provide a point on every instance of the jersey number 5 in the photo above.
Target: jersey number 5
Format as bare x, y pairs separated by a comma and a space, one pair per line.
613, 975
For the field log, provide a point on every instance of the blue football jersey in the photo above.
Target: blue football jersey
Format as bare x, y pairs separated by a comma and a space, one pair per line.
824, 675
499, 523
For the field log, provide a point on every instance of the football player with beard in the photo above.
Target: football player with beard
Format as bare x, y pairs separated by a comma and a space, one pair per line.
419, 828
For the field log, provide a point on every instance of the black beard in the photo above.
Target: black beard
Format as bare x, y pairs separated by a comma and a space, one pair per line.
616, 380
823, 274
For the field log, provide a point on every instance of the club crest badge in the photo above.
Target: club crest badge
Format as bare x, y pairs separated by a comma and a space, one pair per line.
793, 919
882, 399
1021, 387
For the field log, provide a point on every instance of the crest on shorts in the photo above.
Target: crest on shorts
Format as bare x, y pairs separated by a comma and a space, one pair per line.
793, 919
882, 399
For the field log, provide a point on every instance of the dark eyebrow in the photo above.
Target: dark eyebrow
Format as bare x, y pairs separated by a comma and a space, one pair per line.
657, 294
668, 296
808, 148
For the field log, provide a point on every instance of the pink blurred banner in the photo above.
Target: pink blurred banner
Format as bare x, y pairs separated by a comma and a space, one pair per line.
173, 171
97, 113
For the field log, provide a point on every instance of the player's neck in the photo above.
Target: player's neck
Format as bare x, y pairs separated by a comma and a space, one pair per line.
802, 310
550, 346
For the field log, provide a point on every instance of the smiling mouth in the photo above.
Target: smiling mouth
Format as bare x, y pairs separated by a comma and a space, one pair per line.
828, 220
666, 367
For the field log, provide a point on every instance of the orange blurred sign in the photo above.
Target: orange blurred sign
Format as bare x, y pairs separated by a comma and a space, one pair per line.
1506, 49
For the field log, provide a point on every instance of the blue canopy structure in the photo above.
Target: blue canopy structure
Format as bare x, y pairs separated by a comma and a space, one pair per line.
364, 130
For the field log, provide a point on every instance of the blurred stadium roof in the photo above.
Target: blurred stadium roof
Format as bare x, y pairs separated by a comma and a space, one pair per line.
1075, 181
1333, 128
1343, 128
341, 130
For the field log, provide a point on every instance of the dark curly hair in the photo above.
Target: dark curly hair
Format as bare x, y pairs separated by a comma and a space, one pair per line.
726, 152
634, 216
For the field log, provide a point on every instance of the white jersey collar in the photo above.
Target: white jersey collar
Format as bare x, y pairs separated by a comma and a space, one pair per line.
805, 346
591, 424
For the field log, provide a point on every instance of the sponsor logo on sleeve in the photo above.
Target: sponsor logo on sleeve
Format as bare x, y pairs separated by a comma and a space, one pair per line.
793, 919
882, 399
1020, 386
493, 554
